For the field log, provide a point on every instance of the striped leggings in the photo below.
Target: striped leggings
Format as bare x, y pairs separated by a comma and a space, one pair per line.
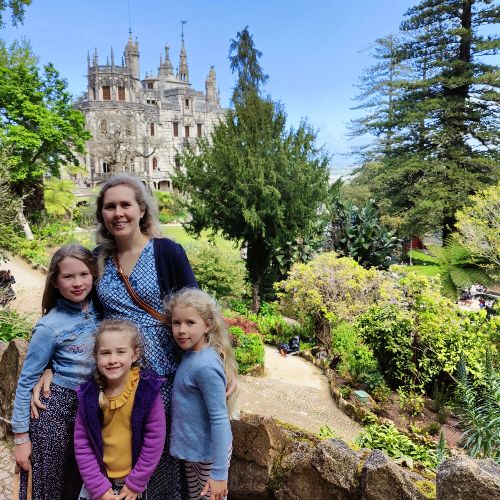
197, 475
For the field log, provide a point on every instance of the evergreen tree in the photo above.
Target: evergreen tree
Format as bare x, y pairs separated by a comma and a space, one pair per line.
38, 124
447, 132
256, 182
380, 89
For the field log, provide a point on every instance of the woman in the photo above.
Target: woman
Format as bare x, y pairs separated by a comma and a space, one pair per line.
130, 249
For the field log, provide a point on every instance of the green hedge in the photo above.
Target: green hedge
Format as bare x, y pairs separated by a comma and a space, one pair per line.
249, 349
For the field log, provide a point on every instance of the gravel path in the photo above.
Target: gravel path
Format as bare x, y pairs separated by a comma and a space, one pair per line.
291, 389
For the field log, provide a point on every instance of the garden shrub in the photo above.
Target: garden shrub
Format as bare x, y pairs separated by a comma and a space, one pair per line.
219, 272
425, 335
247, 325
13, 326
387, 438
358, 363
249, 349
330, 289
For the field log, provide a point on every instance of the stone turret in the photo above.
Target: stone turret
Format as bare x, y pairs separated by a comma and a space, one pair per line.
132, 57
166, 69
211, 87
183, 73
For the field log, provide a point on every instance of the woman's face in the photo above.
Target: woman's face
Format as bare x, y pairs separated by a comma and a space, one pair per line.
121, 212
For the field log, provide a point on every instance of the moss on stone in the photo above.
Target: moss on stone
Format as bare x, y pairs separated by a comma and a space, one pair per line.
427, 488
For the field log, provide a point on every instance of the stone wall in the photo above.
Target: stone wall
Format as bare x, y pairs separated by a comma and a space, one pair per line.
272, 460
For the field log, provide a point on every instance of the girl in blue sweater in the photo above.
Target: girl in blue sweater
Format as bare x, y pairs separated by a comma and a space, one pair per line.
201, 432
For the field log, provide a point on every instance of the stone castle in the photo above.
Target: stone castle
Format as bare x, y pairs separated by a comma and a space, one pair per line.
141, 126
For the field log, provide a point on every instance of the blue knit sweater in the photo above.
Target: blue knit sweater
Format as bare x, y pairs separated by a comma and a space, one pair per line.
201, 431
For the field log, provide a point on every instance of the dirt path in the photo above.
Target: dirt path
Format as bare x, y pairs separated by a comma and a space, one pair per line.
294, 391
28, 286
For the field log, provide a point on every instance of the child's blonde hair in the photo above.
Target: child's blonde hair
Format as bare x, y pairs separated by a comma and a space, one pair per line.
217, 337
114, 325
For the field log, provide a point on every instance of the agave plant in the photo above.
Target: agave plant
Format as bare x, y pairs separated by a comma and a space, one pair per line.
478, 407
454, 265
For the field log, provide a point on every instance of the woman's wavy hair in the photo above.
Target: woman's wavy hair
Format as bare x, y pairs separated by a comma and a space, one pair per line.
148, 223
50, 292
217, 336
114, 325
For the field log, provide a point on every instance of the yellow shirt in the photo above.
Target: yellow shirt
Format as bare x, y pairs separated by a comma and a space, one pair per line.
117, 431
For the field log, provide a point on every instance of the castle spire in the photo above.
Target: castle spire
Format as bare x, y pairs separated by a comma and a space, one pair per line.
183, 73
211, 87
112, 57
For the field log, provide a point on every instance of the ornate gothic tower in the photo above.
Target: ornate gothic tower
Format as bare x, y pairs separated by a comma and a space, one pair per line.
211, 87
183, 73
132, 57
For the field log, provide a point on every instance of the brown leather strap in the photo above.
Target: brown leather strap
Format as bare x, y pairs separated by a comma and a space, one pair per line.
133, 295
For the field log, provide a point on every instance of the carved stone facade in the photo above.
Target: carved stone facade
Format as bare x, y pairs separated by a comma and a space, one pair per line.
140, 126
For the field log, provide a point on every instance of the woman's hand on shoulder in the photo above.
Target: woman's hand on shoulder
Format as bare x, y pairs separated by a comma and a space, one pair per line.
43, 385
109, 495
216, 489
127, 494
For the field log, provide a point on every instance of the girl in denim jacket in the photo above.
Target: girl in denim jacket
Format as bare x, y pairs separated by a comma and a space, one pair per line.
64, 338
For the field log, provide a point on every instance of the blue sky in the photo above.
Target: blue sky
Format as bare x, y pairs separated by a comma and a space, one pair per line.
313, 51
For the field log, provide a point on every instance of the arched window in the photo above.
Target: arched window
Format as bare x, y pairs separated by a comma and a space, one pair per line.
105, 168
103, 127
155, 164
121, 93
152, 129
106, 93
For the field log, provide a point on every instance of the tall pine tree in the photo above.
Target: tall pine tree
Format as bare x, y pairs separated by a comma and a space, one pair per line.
447, 132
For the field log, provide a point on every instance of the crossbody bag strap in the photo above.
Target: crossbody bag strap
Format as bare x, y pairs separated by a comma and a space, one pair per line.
133, 295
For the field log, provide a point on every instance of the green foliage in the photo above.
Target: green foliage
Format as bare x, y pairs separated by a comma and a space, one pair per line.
59, 196
245, 324
257, 183
326, 432
330, 289
16, 8
387, 438
218, 271
425, 335
274, 328
441, 451
357, 361
249, 349
171, 208
13, 326
478, 224
452, 263
357, 232
436, 129
411, 401
478, 408
381, 393
38, 124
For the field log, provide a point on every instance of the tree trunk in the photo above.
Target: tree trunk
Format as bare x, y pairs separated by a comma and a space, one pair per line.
256, 297
25, 224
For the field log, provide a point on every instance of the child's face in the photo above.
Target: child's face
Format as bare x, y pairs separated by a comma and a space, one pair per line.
115, 356
73, 280
189, 328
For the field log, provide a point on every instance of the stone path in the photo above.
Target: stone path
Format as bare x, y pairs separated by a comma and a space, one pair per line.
294, 391
291, 389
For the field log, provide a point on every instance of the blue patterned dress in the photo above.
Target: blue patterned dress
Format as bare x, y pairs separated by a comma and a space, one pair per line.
160, 353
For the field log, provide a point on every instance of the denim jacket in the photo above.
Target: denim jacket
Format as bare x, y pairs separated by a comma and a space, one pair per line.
65, 336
